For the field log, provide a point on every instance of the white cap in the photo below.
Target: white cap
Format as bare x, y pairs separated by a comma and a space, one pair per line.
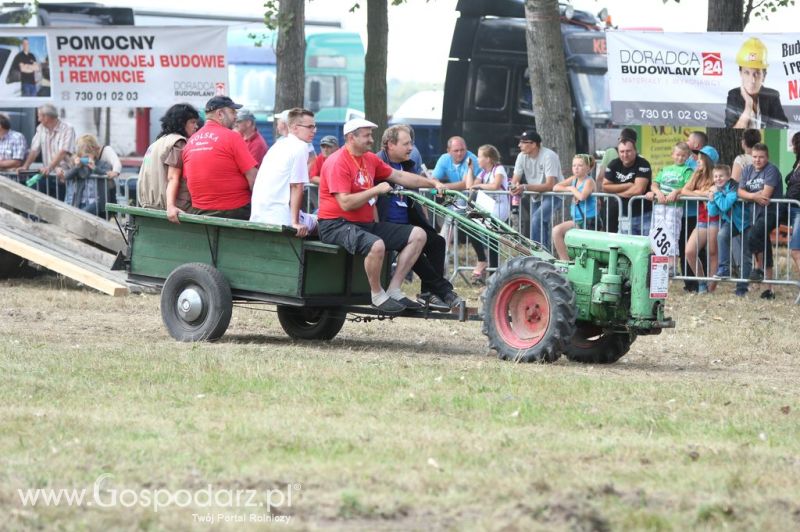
356, 123
283, 115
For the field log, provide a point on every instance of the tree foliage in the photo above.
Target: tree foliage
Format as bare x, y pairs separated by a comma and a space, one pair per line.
753, 9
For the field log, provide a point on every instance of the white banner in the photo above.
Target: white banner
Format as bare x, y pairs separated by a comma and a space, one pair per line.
705, 79
109, 66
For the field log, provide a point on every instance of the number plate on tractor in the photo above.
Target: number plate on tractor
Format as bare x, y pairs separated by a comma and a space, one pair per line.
659, 276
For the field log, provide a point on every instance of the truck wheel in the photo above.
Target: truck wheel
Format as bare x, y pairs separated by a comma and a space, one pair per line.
196, 303
591, 345
310, 323
529, 311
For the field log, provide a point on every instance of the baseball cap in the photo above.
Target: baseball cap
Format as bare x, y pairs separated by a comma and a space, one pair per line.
219, 102
356, 123
283, 115
530, 135
245, 114
710, 151
329, 140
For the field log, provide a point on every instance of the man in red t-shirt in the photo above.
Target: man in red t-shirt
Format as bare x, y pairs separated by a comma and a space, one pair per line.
217, 166
246, 126
347, 195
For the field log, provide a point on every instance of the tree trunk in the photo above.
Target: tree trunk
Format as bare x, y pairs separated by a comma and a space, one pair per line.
725, 15
552, 105
290, 53
375, 65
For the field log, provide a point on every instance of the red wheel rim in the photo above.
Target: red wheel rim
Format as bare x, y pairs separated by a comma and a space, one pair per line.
522, 313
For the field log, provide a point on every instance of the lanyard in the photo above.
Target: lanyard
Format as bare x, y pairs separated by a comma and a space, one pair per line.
363, 178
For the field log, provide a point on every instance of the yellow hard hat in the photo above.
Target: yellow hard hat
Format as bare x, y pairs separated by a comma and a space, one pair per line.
752, 54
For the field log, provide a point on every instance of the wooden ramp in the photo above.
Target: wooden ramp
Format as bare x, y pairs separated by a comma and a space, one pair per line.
75, 244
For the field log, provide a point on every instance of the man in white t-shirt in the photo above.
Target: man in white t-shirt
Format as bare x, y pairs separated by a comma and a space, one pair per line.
278, 189
282, 129
537, 169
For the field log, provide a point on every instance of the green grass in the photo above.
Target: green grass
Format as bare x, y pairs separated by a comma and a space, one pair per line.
399, 425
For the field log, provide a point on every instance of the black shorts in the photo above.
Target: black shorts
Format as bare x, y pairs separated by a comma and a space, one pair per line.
358, 238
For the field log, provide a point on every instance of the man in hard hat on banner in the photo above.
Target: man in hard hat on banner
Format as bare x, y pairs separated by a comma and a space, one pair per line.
753, 106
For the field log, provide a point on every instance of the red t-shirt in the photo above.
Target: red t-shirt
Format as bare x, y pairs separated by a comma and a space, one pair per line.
214, 162
316, 169
343, 172
257, 147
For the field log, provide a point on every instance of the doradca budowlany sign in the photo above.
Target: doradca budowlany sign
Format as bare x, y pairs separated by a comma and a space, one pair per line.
705, 79
112, 66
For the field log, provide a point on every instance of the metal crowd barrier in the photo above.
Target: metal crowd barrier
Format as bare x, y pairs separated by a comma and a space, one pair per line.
784, 215
721, 246
101, 190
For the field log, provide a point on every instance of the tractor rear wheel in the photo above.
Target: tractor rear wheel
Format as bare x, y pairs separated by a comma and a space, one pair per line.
591, 345
529, 311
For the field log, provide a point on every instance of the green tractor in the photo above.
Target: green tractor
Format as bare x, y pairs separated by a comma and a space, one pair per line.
536, 307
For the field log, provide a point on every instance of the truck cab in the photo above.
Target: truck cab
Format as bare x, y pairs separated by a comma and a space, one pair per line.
488, 98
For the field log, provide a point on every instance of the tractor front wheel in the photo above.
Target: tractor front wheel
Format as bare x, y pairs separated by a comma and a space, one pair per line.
591, 345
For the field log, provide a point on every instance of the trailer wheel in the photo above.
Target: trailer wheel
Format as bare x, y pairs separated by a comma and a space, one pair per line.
529, 311
196, 303
310, 323
591, 345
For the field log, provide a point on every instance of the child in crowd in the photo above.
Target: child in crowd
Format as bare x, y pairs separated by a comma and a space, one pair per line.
733, 222
707, 228
584, 204
665, 191
492, 177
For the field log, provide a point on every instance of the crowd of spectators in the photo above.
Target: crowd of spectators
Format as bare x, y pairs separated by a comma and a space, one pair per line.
715, 218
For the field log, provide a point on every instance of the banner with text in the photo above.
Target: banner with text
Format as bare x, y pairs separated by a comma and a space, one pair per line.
705, 79
121, 66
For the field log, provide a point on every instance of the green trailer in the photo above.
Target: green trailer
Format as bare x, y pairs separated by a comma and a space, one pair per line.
534, 308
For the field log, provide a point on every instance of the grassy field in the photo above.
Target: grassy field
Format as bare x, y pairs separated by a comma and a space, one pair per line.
403, 425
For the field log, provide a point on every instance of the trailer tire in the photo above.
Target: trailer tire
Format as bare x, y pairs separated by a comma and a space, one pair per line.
311, 323
591, 345
529, 311
196, 303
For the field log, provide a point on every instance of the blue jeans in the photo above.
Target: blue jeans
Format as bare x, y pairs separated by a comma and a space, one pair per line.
741, 248
29, 89
640, 225
724, 247
794, 244
541, 214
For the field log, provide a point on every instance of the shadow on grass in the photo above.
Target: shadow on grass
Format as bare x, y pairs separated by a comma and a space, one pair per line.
365, 344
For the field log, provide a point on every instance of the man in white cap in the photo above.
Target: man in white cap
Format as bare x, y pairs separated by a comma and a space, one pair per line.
351, 181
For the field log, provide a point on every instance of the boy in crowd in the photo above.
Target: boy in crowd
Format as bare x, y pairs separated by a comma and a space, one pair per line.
665, 191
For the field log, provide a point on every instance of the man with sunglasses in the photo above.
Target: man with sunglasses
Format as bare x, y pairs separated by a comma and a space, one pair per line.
278, 191
217, 166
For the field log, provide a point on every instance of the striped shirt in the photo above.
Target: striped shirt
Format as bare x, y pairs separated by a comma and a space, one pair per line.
50, 142
13, 146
